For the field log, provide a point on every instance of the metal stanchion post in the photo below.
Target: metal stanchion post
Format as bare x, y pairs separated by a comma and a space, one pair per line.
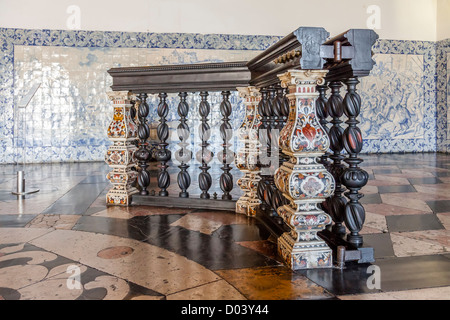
21, 191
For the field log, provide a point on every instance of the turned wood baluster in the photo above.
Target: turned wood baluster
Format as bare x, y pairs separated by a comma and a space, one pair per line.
204, 155
143, 153
354, 178
163, 154
272, 150
183, 155
263, 138
133, 110
226, 156
336, 204
280, 112
285, 110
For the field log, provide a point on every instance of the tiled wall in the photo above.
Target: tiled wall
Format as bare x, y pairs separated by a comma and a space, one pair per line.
68, 117
399, 98
443, 95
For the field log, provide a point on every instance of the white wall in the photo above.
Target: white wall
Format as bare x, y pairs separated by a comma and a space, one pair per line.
400, 19
443, 19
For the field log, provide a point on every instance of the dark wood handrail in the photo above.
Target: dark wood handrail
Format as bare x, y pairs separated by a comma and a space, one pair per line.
345, 55
175, 78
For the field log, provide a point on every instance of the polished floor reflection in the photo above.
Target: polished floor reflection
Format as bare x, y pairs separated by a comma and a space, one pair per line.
64, 243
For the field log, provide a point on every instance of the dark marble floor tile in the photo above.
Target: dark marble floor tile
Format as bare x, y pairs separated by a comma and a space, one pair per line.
77, 200
407, 273
396, 274
386, 171
396, 189
350, 280
241, 232
430, 180
371, 198
416, 222
442, 174
15, 220
93, 210
137, 228
209, 251
381, 244
95, 179
439, 206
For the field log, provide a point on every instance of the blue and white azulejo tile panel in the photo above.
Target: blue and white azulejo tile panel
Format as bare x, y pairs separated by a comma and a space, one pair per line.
442, 95
403, 108
447, 149
403, 98
393, 101
68, 117
71, 109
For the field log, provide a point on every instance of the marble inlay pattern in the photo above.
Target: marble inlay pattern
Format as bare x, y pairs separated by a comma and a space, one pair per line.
56, 221
273, 284
157, 253
441, 293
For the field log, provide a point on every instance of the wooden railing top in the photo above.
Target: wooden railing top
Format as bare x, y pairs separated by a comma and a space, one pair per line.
219, 76
346, 55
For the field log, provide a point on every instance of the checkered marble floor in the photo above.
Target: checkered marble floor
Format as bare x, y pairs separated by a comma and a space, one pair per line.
64, 243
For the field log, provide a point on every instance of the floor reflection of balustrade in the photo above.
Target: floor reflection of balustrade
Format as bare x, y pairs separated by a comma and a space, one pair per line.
293, 174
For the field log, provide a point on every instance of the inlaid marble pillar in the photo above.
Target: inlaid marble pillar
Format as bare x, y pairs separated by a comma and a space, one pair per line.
122, 131
303, 180
247, 158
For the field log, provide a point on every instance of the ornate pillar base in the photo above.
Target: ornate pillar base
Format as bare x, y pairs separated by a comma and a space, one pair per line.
247, 158
253, 201
243, 202
303, 257
249, 202
122, 132
302, 248
303, 181
121, 177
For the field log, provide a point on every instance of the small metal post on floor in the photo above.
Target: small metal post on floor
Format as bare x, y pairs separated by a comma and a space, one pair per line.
21, 186
21, 191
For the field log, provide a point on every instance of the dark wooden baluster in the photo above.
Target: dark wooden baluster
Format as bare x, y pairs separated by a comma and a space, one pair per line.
163, 154
143, 153
263, 138
133, 111
279, 113
226, 156
354, 178
336, 203
285, 110
322, 114
204, 155
271, 151
183, 155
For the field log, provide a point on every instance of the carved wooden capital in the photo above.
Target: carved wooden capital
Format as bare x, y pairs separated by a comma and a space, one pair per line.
250, 91
117, 96
302, 77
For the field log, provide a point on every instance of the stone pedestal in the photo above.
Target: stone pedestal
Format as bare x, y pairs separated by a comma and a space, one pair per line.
303, 180
122, 132
247, 157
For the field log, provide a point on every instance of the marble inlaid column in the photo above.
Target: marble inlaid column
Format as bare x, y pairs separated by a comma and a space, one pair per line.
247, 158
303, 180
122, 131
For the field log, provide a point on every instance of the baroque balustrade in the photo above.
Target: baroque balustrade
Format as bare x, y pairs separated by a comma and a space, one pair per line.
299, 168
